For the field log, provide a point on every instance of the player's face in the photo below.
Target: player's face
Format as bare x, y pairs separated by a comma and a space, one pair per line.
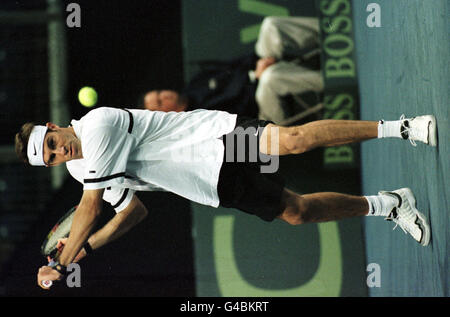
60, 146
162, 100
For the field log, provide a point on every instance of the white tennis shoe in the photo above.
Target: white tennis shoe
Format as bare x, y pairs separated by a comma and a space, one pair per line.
422, 128
407, 216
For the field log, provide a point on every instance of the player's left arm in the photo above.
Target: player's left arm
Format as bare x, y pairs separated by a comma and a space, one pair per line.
84, 221
120, 224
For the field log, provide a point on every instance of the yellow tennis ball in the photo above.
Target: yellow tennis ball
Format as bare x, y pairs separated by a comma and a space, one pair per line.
87, 96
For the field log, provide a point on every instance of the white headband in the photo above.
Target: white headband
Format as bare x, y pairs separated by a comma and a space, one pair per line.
35, 149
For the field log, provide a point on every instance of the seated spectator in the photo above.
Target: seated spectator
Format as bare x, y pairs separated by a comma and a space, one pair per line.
256, 85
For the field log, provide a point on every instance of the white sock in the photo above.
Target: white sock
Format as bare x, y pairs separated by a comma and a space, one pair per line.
381, 205
389, 129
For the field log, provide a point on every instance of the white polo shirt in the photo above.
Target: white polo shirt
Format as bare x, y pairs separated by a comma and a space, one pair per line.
140, 150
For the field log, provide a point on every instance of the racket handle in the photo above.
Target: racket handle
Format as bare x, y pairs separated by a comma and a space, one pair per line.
47, 283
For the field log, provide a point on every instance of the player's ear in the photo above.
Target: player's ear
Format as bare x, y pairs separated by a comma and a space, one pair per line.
51, 126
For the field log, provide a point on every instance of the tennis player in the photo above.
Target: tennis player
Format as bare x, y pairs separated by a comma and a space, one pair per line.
116, 152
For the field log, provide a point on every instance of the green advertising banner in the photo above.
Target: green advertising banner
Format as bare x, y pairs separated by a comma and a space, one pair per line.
338, 60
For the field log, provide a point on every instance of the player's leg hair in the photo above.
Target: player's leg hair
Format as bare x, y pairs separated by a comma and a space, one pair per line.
320, 207
320, 133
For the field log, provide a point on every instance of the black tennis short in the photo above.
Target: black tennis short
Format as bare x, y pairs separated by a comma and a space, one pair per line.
242, 185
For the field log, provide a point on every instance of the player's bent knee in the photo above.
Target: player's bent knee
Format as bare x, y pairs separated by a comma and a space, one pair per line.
294, 208
295, 141
294, 219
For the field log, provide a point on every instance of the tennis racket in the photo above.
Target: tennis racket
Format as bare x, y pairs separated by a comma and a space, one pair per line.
59, 231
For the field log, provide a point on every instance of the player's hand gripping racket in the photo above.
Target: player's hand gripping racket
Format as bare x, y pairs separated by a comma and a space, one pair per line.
59, 231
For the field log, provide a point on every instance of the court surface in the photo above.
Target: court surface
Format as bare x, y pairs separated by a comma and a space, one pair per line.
403, 69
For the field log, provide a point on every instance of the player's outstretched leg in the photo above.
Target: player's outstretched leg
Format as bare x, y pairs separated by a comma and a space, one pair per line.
320, 133
398, 206
325, 133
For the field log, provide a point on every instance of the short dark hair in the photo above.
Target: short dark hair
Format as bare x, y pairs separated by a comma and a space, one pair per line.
21, 141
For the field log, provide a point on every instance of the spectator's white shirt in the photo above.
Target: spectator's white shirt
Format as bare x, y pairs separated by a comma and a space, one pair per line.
140, 150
